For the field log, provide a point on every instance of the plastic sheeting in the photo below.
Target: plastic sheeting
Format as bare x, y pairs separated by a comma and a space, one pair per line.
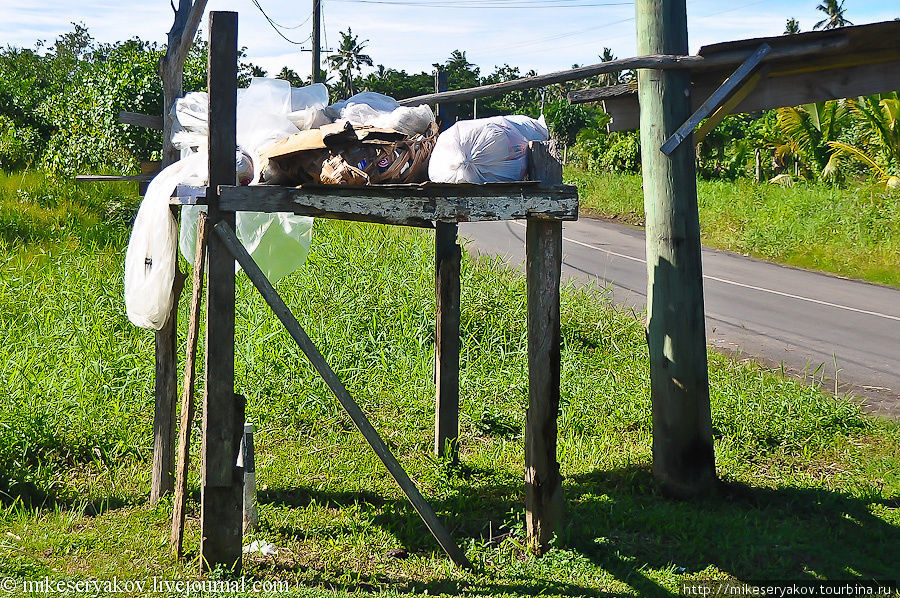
487, 150
278, 242
378, 110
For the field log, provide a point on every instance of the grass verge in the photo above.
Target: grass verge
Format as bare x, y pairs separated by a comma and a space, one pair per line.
850, 232
811, 486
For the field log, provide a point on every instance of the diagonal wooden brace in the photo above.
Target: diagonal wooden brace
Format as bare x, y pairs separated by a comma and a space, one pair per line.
716, 99
359, 418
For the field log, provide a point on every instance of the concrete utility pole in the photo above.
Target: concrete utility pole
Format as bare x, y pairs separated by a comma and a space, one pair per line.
317, 22
683, 460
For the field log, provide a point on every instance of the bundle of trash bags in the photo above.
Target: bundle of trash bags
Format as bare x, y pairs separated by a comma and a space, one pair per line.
289, 135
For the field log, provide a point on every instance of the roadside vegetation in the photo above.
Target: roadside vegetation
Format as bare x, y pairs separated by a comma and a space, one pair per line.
810, 483
853, 232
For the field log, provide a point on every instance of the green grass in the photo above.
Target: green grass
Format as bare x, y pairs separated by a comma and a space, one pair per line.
851, 232
811, 485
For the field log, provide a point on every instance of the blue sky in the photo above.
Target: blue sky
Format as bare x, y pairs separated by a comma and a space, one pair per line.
546, 35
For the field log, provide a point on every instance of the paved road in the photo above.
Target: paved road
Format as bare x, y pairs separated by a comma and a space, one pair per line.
802, 320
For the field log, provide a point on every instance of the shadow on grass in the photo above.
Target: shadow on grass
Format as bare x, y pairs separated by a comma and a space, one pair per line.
33, 498
620, 523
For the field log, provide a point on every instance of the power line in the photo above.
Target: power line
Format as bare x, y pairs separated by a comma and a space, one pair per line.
275, 26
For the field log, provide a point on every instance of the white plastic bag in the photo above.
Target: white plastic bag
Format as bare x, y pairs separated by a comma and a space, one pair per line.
150, 258
487, 150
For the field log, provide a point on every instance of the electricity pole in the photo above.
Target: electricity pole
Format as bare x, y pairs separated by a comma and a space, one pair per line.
683, 461
317, 15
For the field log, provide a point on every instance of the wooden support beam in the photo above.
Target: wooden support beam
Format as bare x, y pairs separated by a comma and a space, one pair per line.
187, 390
409, 204
148, 121
543, 249
447, 260
223, 421
728, 107
543, 484
461, 95
113, 178
683, 461
716, 99
226, 236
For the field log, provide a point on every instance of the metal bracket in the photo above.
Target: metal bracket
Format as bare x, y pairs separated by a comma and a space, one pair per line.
715, 100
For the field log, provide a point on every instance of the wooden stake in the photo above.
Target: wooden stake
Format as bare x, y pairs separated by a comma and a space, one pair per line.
187, 390
682, 431
220, 514
268, 292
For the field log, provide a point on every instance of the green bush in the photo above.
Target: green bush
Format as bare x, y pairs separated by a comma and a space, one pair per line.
18, 145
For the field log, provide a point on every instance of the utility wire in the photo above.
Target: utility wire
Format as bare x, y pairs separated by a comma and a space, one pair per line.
275, 26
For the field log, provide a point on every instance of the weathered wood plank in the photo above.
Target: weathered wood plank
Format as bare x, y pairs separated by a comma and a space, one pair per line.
543, 484
543, 249
226, 234
683, 461
544, 163
447, 259
113, 178
222, 423
715, 99
460, 95
466, 203
780, 87
187, 390
148, 121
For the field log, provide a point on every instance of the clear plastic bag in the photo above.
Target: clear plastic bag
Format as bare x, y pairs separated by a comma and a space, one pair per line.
278, 242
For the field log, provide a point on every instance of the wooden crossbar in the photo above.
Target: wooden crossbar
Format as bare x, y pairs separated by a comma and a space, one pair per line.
715, 100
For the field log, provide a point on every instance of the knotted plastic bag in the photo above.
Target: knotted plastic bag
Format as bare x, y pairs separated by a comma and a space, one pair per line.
486, 150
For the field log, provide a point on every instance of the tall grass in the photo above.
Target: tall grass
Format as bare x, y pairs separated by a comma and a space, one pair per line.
853, 232
76, 409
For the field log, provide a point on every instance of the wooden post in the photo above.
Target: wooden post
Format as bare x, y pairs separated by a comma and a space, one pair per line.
683, 460
543, 249
447, 261
171, 69
221, 498
162, 480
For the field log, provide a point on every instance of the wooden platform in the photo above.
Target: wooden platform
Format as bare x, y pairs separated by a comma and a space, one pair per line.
406, 204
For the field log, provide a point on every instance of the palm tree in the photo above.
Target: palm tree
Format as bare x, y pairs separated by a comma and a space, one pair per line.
792, 26
880, 147
809, 130
609, 78
834, 15
349, 58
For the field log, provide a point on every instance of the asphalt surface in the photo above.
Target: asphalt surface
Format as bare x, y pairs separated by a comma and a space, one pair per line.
815, 326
